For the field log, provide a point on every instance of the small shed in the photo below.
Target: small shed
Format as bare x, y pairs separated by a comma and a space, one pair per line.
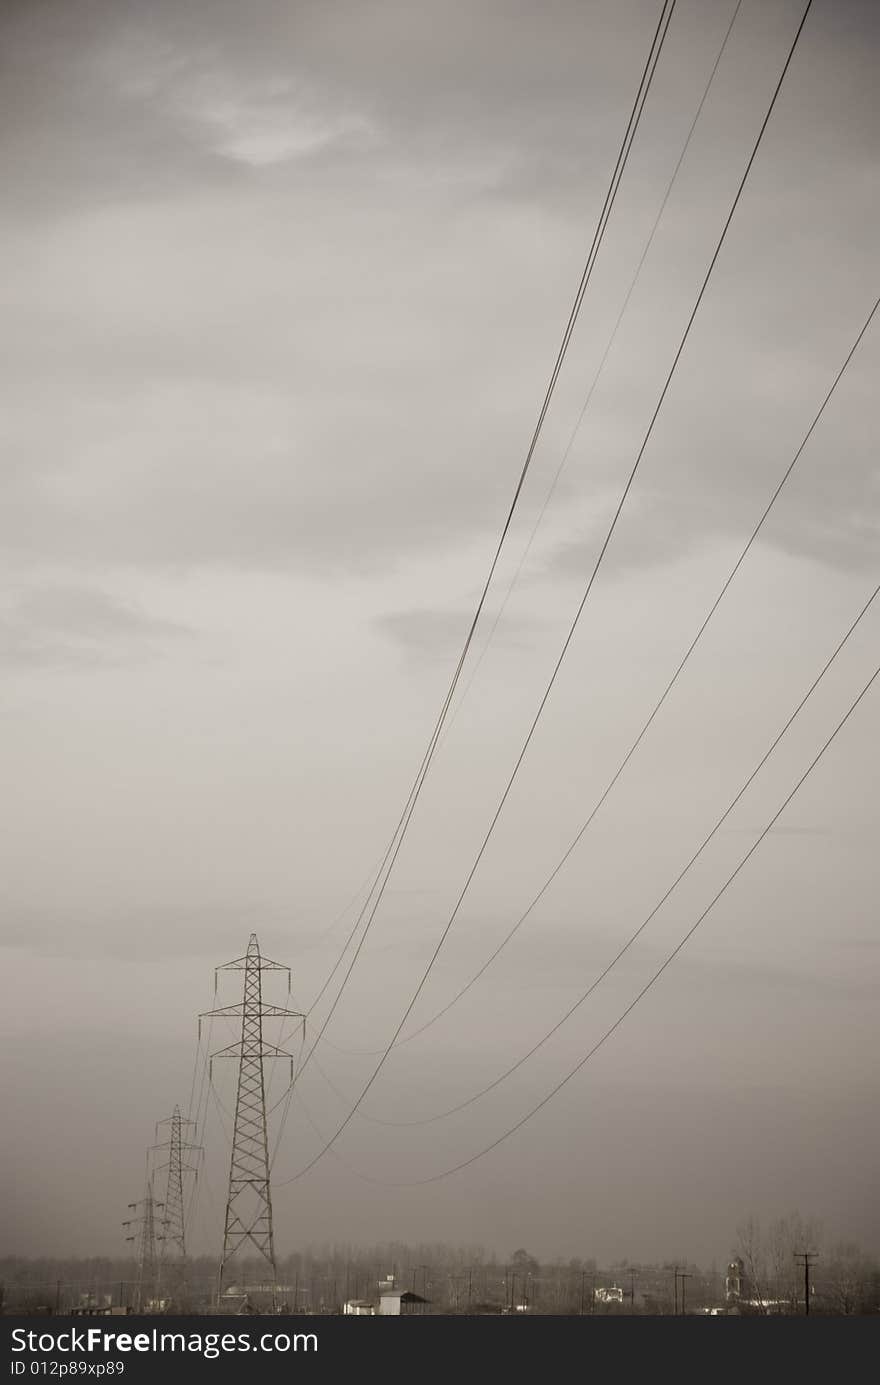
397, 1302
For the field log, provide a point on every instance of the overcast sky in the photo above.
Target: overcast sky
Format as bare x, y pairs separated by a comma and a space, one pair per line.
282, 285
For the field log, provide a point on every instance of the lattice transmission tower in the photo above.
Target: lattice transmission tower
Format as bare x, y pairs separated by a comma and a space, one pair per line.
145, 1237
171, 1266
248, 1219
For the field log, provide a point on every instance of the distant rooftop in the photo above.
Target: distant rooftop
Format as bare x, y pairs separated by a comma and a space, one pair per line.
405, 1295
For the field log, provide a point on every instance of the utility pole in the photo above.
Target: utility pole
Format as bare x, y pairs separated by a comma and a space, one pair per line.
632, 1291
675, 1291
248, 1216
806, 1256
173, 1228
145, 1236
415, 1271
682, 1276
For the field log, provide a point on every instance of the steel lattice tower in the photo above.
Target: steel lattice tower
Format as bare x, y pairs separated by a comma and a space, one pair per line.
145, 1236
249, 1201
172, 1236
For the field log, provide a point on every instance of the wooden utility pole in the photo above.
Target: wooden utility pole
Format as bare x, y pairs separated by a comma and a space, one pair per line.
806, 1256
682, 1276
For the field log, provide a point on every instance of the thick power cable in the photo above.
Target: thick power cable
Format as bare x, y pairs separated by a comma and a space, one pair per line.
539, 1106
390, 857
406, 1038
490, 1086
377, 1069
595, 381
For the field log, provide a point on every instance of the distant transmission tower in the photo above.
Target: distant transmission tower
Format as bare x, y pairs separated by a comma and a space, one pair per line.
172, 1235
249, 1201
145, 1236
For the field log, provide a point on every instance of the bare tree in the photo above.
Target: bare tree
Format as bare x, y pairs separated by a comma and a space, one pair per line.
769, 1257
846, 1278
750, 1244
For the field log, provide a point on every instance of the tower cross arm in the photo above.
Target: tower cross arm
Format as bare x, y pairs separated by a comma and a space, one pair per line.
169, 1120
225, 1012
254, 962
266, 1051
279, 1012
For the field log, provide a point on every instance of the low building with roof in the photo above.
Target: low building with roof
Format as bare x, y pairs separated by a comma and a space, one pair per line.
395, 1303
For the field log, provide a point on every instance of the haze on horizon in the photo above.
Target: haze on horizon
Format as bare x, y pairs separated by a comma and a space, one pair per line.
282, 286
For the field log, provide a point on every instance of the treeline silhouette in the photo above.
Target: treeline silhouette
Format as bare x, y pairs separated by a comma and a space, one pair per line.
321, 1279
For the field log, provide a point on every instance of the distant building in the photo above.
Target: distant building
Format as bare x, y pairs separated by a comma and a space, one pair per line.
397, 1302
92, 1312
735, 1281
612, 1295
359, 1308
742, 1294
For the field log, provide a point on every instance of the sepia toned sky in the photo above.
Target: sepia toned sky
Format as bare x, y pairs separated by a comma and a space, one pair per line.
281, 289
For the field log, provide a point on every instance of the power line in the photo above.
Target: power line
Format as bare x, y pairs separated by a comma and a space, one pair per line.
512, 1130
200, 1111
393, 849
407, 1038
595, 381
428, 1120
580, 609
334, 922
286, 1096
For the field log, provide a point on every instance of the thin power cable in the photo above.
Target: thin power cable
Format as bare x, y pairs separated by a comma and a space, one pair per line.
194, 1203
222, 1113
287, 1096
393, 849
377, 1069
407, 1038
192, 1085
328, 929
335, 1152
490, 1086
539, 1106
199, 1115
514, 581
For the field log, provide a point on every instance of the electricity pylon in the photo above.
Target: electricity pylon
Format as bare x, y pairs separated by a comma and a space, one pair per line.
145, 1236
172, 1234
249, 1201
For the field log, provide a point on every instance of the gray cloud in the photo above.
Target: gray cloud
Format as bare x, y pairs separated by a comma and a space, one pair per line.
363, 170
433, 634
77, 627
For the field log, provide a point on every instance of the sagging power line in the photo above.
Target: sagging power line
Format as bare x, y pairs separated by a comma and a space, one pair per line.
374, 898
573, 627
